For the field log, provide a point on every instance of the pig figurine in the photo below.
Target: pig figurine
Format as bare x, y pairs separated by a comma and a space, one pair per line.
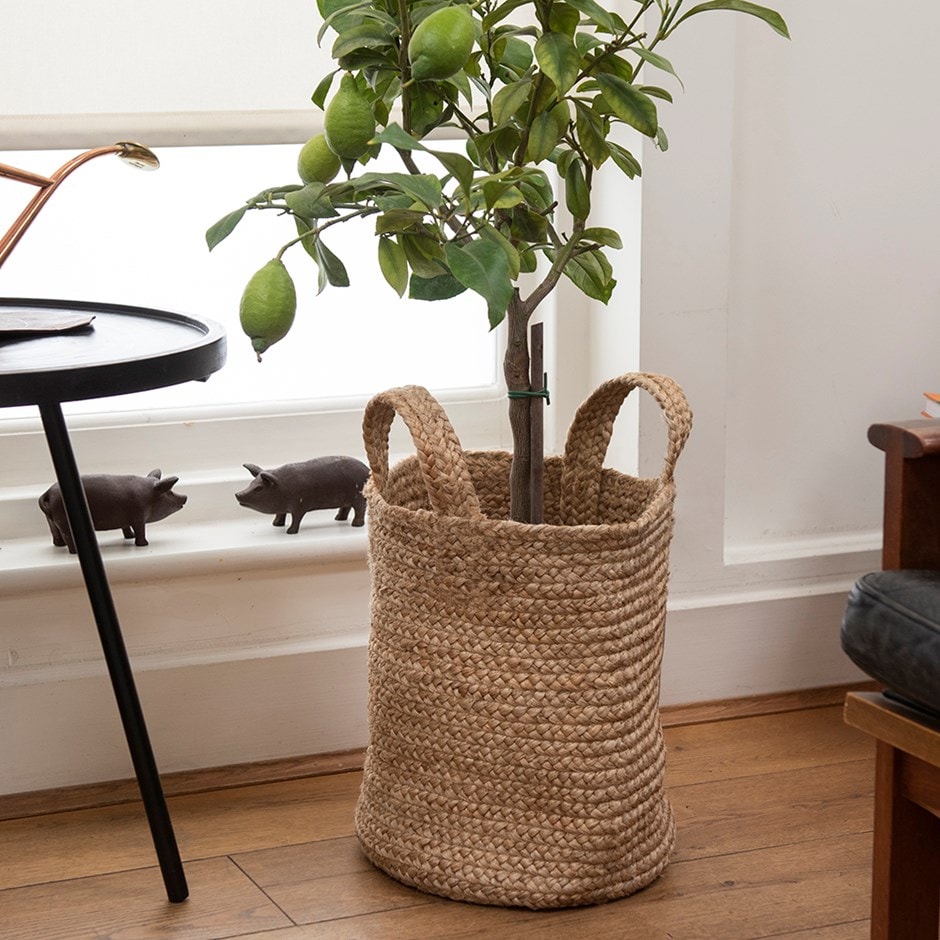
296, 488
115, 502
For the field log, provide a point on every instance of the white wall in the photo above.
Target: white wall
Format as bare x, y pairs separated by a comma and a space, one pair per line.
789, 282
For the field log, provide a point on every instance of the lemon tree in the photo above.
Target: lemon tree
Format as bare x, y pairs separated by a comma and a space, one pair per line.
537, 89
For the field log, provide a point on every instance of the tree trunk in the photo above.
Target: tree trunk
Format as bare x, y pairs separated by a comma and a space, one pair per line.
516, 372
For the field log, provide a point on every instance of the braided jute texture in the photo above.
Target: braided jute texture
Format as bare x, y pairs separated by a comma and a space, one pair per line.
516, 753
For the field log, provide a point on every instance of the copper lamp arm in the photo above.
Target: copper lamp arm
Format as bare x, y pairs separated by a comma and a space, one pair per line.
23, 176
136, 154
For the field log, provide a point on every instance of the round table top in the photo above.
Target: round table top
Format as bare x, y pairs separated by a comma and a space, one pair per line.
123, 349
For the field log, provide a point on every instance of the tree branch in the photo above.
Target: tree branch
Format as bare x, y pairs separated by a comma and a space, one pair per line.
557, 269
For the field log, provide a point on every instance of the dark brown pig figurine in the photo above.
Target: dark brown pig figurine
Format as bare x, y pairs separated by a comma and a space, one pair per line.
115, 502
297, 488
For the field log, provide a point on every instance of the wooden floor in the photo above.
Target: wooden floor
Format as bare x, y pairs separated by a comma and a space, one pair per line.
774, 815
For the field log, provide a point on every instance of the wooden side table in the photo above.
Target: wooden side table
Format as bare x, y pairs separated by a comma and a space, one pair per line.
124, 349
906, 863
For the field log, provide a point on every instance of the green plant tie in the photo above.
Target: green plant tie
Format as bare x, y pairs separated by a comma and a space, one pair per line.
533, 393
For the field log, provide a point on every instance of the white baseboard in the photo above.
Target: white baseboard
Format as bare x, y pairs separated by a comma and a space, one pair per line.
755, 647
69, 733
274, 665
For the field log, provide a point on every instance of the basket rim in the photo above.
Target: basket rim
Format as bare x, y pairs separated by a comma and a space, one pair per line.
658, 507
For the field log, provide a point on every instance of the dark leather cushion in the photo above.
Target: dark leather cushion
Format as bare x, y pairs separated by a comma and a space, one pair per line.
891, 630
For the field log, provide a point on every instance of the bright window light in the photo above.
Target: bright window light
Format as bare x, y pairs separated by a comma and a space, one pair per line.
122, 236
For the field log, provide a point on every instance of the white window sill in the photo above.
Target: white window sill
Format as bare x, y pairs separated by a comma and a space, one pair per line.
184, 549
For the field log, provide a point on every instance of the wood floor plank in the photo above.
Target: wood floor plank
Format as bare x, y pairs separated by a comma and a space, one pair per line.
344, 896
790, 888
116, 838
765, 704
457, 921
334, 882
326, 880
786, 890
716, 818
746, 747
223, 903
856, 930
288, 864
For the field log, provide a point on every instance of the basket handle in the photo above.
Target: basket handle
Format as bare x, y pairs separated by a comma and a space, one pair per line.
590, 432
441, 458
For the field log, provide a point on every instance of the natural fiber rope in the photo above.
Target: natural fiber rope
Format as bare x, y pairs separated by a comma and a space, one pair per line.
446, 479
516, 753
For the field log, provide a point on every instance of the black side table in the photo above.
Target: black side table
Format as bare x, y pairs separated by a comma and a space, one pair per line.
124, 349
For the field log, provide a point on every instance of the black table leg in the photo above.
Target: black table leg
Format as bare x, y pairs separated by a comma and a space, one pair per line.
115, 653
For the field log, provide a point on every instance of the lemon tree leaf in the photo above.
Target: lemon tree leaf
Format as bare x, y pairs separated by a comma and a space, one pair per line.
322, 90
629, 104
482, 266
424, 255
329, 7
442, 287
543, 135
338, 14
577, 194
501, 194
603, 236
398, 220
535, 186
558, 59
773, 19
509, 99
507, 141
330, 265
657, 61
591, 134
512, 255
393, 264
367, 35
423, 187
528, 226
500, 13
223, 228
585, 42
311, 202
592, 274
563, 18
595, 13
617, 65
654, 91
458, 166
396, 136
625, 160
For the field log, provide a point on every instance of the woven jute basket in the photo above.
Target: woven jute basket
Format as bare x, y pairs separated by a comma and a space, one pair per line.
516, 753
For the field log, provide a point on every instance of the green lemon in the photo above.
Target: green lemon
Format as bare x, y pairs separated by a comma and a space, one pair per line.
316, 163
348, 123
268, 304
441, 44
